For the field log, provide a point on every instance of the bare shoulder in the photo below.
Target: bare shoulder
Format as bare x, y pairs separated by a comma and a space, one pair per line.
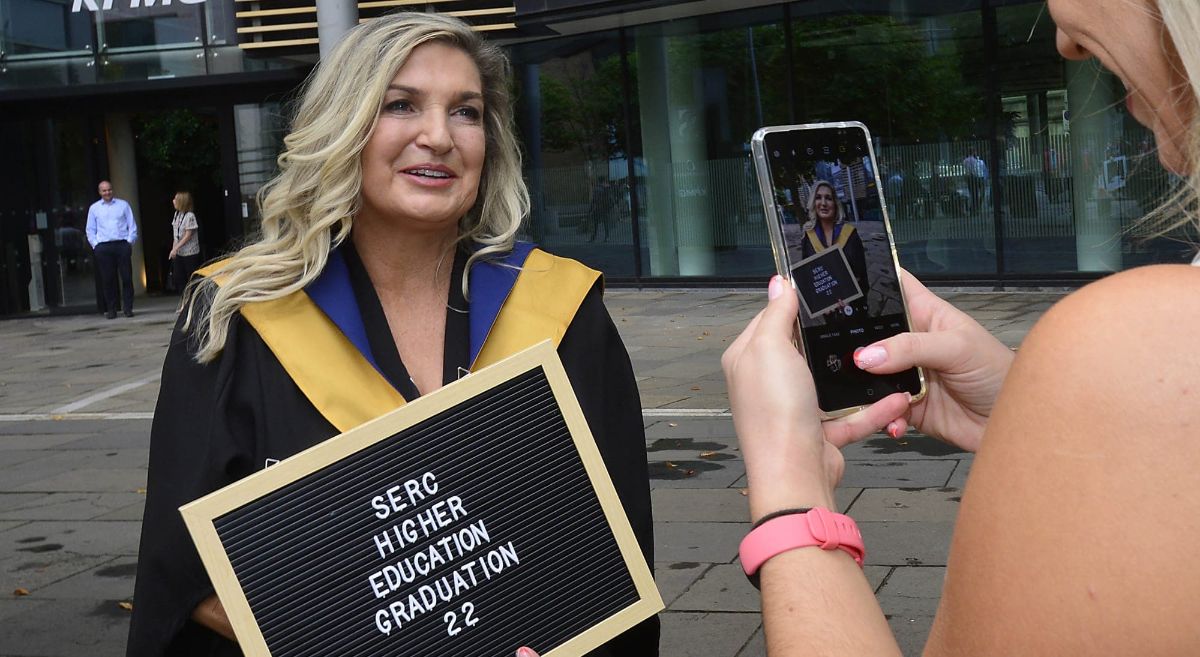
1076, 523
1139, 326
1168, 292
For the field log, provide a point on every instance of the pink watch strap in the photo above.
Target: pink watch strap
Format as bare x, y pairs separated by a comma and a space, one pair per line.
816, 528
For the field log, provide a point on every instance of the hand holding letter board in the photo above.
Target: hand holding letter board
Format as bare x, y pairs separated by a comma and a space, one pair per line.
824, 279
472, 521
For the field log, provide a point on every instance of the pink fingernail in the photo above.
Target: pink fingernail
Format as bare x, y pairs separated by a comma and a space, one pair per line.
525, 652
893, 430
868, 357
775, 287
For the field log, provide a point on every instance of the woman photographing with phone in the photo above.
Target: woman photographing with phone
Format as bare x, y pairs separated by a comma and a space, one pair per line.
1075, 533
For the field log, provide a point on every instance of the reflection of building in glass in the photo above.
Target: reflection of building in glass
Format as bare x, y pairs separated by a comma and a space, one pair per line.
661, 104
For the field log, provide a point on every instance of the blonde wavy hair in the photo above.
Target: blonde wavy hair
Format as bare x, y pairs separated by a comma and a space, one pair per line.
1181, 19
309, 207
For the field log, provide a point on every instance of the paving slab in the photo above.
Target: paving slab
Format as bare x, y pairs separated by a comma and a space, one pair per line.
701, 399
79, 428
90, 480
93, 457
668, 431
910, 446
703, 450
876, 575
698, 473
15, 606
113, 538
843, 496
904, 473
925, 504
35, 571
891, 543
702, 542
703, 505
23, 442
674, 578
909, 600
913, 590
67, 628
911, 632
124, 439
10, 458
110, 580
959, 478
706, 634
723, 587
66, 506
756, 646
132, 512
659, 401
6, 525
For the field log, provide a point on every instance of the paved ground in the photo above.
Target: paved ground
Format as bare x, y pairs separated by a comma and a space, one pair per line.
76, 395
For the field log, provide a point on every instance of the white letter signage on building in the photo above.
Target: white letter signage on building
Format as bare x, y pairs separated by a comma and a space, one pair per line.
106, 5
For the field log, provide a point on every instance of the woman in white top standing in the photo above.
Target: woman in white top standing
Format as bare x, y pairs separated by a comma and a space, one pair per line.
1078, 528
185, 245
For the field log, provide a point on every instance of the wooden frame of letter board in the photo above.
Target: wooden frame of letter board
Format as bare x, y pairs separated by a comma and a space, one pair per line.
200, 515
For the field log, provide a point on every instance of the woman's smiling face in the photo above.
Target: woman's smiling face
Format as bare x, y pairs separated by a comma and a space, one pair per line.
1128, 38
824, 204
424, 160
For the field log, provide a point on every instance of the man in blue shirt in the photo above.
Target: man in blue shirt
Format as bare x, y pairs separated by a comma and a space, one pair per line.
112, 231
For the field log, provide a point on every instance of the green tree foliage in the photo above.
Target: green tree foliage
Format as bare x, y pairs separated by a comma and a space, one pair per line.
180, 145
582, 107
903, 80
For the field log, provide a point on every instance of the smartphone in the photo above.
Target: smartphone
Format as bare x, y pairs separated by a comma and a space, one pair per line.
831, 238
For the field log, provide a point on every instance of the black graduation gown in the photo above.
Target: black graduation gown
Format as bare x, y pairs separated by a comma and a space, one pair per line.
222, 421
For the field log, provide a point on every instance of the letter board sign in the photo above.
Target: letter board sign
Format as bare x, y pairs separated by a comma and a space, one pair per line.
469, 522
824, 279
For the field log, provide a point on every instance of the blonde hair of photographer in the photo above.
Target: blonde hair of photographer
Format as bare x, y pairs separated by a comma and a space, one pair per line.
310, 205
1181, 18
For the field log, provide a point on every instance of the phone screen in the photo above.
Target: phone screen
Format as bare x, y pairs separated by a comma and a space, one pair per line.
838, 250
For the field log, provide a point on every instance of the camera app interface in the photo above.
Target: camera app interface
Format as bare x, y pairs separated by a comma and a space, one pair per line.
828, 206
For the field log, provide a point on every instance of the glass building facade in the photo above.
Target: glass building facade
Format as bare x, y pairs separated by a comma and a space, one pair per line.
156, 96
1000, 162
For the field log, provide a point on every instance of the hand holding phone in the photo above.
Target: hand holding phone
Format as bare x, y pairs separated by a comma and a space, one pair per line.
967, 366
792, 458
832, 240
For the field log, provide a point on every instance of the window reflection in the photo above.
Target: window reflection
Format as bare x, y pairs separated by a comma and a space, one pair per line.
915, 78
636, 140
141, 27
571, 116
154, 65
42, 27
702, 87
260, 129
1079, 172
